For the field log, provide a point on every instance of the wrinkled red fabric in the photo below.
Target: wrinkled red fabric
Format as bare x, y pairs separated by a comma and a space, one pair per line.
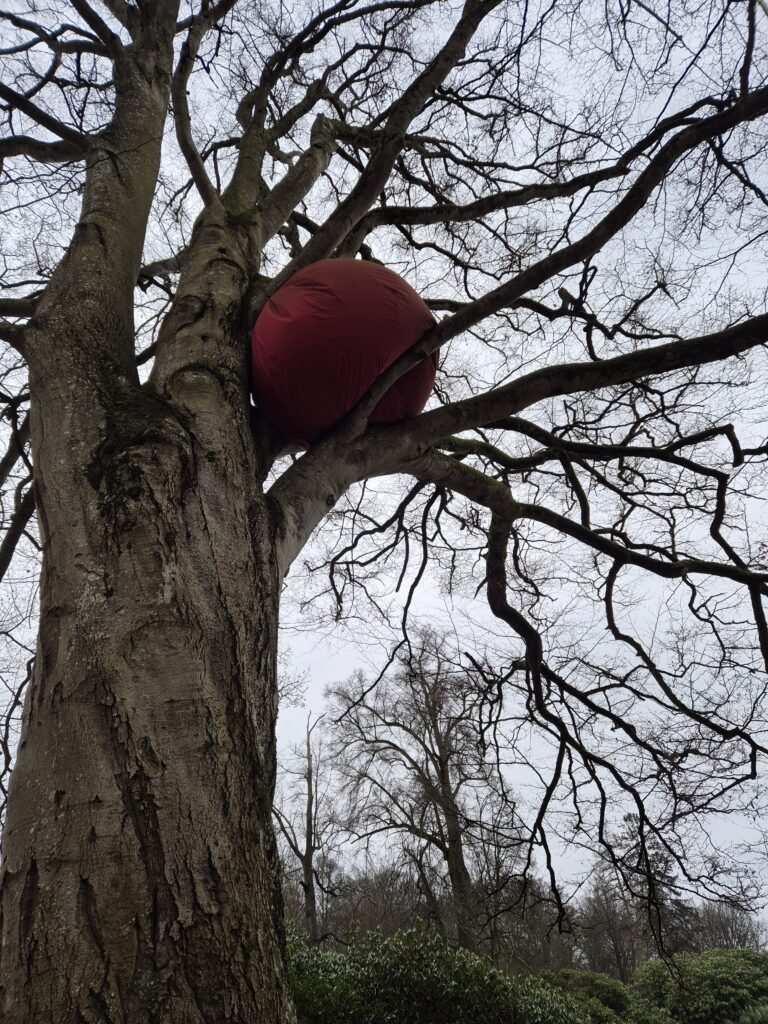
326, 335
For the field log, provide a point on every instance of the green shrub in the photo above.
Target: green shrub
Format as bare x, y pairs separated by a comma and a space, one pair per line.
642, 1013
716, 987
755, 1014
592, 1011
415, 978
603, 1000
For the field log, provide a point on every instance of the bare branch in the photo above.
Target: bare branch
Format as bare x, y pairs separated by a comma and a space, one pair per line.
99, 26
45, 120
182, 119
63, 151
448, 472
753, 106
311, 481
403, 111
18, 524
572, 378
16, 446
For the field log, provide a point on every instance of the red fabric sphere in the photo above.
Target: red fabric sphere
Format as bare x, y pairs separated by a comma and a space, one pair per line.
326, 335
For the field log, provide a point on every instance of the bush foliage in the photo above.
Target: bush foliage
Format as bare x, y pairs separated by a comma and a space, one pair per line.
721, 986
601, 999
415, 978
604, 998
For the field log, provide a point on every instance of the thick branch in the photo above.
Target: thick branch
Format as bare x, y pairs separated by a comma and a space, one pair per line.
312, 485
12, 334
19, 439
16, 101
124, 13
17, 526
572, 378
99, 26
448, 472
89, 297
299, 179
22, 307
60, 152
469, 315
182, 118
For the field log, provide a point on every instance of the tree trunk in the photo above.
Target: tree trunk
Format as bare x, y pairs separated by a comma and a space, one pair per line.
433, 906
461, 885
310, 902
462, 891
307, 861
140, 875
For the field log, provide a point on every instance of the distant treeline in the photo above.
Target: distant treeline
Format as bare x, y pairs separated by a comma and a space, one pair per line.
398, 808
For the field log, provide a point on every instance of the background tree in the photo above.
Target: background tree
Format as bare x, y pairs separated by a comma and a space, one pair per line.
613, 937
390, 885
417, 775
636, 908
307, 821
591, 460
721, 926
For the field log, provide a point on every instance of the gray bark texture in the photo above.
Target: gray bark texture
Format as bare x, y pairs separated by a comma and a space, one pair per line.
307, 861
139, 876
138, 850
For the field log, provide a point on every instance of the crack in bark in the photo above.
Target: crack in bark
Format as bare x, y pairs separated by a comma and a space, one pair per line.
27, 910
140, 808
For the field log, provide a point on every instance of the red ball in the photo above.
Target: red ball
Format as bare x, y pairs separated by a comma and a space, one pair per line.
323, 339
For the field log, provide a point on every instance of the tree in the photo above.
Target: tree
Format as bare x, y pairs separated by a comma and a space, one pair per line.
721, 926
594, 257
634, 908
304, 814
613, 934
416, 774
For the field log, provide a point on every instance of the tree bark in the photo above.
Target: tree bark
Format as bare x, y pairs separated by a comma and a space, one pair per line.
307, 861
461, 881
462, 893
310, 902
139, 879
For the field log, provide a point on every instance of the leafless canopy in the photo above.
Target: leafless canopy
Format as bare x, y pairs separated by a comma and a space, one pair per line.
578, 189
